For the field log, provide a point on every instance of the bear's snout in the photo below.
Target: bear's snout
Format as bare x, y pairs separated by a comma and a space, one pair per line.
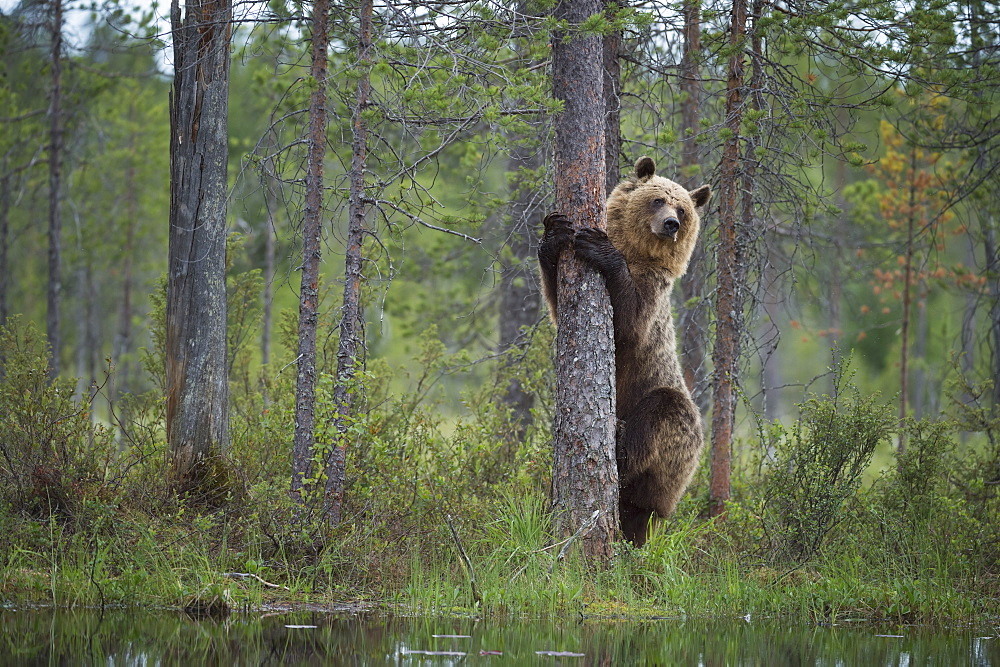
670, 227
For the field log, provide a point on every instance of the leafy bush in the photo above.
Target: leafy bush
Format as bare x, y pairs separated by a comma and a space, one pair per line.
816, 467
51, 456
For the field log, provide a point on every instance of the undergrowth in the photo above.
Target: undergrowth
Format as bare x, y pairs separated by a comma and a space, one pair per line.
87, 516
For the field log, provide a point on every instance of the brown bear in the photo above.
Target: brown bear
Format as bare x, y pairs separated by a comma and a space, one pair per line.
653, 225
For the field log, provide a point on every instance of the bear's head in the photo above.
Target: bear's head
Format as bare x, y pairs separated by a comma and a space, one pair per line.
654, 221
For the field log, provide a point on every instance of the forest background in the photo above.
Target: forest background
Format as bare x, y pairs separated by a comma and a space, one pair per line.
866, 181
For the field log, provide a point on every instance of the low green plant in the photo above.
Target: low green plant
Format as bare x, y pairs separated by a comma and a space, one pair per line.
816, 466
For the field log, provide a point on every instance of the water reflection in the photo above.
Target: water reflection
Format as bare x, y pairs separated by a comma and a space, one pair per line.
131, 637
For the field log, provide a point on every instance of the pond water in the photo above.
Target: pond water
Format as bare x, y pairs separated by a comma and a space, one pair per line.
133, 637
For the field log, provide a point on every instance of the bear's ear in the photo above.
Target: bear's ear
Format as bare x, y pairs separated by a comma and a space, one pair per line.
701, 196
644, 168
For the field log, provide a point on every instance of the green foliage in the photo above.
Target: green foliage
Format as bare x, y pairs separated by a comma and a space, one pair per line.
53, 458
817, 466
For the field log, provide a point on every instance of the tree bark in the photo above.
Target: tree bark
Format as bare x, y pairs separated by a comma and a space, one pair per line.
730, 268
122, 344
4, 246
904, 357
693, 316
52, 318
992, 250
196, 369
585, 474
520, 298
351, 344
312, 226
612, 102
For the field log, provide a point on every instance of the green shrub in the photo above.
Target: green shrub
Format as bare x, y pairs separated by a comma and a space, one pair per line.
816, 467
51, 456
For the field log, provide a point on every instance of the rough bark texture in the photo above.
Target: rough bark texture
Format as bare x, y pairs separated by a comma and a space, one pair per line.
52, 319
730, 268
197, 368
312, 226
585, 475
693, 314
351, 344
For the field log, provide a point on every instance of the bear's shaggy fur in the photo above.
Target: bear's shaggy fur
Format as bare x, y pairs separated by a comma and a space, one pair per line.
652, 229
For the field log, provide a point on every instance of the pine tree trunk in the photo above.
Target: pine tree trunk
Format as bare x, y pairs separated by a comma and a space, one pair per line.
197, 368
612, 103
730, 269
312, 227
904, 356
520, 298
4, 246
585, 474
992, 250
52, 319
692, 313
351, 345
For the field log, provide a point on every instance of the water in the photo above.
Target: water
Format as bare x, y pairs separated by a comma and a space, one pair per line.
131, 637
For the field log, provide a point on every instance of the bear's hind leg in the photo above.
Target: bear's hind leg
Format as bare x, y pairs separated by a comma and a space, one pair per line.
658, 447
635, 522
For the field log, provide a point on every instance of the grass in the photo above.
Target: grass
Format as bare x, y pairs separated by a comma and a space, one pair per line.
83, 523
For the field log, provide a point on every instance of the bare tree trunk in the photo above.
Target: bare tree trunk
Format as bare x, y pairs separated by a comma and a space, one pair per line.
121, 347
770, 336
4, 244
729, 260
993, 286
351, 344
52, 320
268, 297
693, 316
585, 474
904, 335
520, 298
197, 369
312, 226
612, 103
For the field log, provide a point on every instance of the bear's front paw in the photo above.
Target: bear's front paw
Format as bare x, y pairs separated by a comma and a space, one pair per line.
592, 243
558, 235
555, 220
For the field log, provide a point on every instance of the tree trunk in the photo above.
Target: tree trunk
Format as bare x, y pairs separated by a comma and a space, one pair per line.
730, 268
770, 336
351, 344
612, 102
585, 474
52, 320
4, 245
992, 250
907, 302
519, 301
692, 314
268, 296
312, 226
197, 368
122, 345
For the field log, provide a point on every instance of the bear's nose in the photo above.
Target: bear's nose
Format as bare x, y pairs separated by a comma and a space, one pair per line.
671, 226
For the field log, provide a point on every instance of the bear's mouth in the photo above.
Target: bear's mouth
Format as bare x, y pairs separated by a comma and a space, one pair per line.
669, 229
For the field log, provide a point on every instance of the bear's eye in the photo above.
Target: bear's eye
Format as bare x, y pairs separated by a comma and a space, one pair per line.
681, 214
659, 201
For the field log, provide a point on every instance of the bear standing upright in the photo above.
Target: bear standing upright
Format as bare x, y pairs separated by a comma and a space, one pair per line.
653, 225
